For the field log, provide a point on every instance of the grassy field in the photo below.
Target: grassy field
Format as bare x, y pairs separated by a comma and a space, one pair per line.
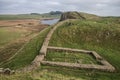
102, 36
27, 16
8, 34
72, 57
41, 74
14, 34
10, 30
26, 55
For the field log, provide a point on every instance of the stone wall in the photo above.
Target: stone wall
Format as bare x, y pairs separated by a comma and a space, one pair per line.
68, 49
105, 66
79, 66
43, 50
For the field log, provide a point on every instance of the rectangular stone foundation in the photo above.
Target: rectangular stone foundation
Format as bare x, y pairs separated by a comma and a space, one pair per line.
105, 66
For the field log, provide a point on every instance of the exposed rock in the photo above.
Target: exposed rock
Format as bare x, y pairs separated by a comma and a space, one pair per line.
71, 15
6, 71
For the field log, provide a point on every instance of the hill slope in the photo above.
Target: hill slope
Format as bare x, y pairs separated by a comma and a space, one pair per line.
78, 15
92, 35
100, 35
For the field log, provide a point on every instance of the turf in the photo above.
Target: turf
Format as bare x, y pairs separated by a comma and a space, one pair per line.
28, 53
72, 57
101, 36
82, 73
8, 34
90, 35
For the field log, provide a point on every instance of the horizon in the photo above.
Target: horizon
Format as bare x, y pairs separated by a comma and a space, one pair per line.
63, 12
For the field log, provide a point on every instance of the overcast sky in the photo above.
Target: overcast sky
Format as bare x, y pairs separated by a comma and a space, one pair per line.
99, 7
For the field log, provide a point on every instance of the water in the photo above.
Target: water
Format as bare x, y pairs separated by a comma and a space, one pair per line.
50, 22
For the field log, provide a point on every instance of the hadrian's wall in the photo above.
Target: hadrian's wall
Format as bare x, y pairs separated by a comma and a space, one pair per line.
105, 66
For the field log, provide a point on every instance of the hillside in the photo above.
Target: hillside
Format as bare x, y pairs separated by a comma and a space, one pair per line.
100, 36
83, 31
78, 15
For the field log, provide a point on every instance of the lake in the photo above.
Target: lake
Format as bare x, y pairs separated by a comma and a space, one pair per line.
50, 22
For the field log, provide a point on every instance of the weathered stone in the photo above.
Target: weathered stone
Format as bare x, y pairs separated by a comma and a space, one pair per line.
79, 66
68, 49
7, 71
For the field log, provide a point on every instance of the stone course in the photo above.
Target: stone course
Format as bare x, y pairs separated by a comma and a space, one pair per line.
105, 66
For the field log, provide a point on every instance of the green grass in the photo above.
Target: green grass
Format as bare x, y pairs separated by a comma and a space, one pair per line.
10, 50
7, 35
28, 53
61, 73
101, 36
39, 75
23, 76
72, 57
94, 35
82, 73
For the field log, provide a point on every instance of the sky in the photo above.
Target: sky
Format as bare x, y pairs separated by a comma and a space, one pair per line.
98, 7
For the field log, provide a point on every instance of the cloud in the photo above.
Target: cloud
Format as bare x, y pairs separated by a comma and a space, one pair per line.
99, 7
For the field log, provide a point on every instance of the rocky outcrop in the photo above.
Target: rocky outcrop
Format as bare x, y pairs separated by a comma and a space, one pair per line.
71, 15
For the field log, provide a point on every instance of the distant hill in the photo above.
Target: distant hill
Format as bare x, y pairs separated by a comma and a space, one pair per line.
55, 13
52, 14
77, 15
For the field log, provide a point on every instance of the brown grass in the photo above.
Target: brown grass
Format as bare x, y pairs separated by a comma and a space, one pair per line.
19, 22
29, 28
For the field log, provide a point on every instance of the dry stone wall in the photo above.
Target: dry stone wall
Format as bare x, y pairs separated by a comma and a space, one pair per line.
105, 66
79, 66
43, 50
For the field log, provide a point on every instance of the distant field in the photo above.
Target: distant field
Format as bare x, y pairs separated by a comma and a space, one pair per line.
8, 34
27, 16
18, 23
14, 34
10, 30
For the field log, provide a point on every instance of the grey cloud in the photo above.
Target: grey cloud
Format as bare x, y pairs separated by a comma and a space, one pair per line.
99, 7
